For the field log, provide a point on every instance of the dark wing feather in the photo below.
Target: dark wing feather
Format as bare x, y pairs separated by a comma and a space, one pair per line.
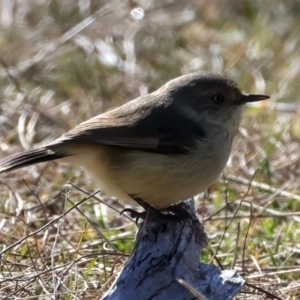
28, 158
163, 131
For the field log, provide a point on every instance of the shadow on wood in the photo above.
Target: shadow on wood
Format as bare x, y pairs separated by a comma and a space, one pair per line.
166, 250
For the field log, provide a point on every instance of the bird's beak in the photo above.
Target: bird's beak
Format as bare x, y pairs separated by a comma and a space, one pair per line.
251, 98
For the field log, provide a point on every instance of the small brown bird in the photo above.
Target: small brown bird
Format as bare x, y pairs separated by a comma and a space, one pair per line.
163, 148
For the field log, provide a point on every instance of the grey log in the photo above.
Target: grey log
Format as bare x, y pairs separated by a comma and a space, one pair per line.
166, 250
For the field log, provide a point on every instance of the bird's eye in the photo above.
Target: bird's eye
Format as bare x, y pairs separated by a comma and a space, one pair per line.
218, 98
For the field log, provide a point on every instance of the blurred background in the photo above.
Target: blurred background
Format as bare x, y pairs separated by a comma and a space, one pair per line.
64, 61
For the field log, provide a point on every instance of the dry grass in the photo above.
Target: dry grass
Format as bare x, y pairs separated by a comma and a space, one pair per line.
66, 61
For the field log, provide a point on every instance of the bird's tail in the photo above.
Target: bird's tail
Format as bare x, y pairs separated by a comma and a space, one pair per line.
29, 158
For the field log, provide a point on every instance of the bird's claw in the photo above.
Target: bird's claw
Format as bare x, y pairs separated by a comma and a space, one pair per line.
175, 212
179, 212
134, 214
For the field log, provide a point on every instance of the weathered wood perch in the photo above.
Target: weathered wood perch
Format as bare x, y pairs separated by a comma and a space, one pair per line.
167, 250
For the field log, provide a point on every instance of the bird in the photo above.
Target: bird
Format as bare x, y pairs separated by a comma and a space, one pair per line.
159, 149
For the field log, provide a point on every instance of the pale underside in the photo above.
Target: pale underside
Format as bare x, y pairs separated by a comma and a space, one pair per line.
158, 179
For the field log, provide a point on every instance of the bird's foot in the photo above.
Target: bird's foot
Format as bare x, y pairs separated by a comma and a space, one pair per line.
178, 212
175, 212
134, 214
149, 210
150, 213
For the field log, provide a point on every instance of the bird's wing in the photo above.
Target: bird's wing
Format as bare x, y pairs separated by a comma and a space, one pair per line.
163, 132
143, 127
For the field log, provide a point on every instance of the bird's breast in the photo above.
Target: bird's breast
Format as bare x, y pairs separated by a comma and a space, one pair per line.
162, 180
158, 179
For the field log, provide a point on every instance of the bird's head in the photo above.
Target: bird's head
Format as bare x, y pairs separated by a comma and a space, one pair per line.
210, 97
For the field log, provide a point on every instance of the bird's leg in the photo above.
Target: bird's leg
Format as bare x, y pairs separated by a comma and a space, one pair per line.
178, 210
140, 215
142, 203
